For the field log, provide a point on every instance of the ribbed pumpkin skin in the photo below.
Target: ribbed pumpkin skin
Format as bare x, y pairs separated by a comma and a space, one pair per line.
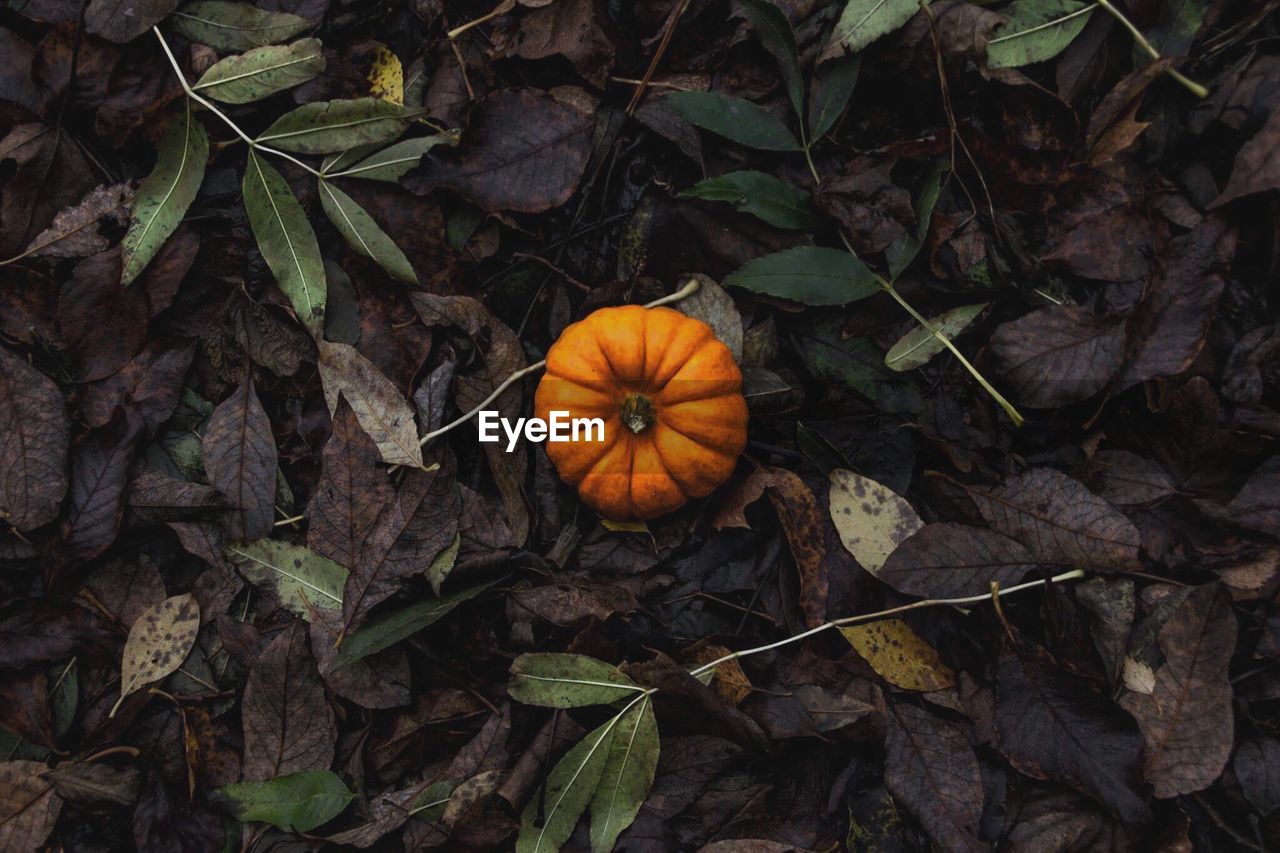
689, 376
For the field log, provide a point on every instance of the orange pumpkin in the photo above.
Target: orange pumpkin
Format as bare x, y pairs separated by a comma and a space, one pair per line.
670, 396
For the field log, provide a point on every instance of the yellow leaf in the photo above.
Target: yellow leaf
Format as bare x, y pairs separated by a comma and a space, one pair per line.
899, 656
625, 526
386, 76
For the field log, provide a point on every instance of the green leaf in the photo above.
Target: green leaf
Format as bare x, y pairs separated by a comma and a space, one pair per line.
363, 234
567, 681
917, 346
775, 32
286, 240
227, 26
385, 631
1036, 30
864, 21
295, 802
391, 163
570, 786
443, 563
325, 127
64, 696
903, 251
165, 194
763, 196
808, 274
855, 363
829, 93
734, 118
262, 72
627, 777
300, 578
431, 803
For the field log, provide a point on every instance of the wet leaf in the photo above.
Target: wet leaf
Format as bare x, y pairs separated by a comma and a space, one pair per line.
34, 437
240, 458
166, 193
262, 72
1036, 30
363, 234
808, 274
300, 578
872, 521
286, 240
229, 26
761, 195
288, 725
158, 642
899, 655
736, 119
299, 801
567, 681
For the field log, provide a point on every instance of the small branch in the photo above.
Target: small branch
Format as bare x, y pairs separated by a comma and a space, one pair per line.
667, 33
881, 614
177, 69
501, 9
546, 264
1192, 86
688, 290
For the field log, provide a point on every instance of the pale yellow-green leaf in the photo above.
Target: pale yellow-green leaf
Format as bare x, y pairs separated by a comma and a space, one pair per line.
363, 234
899, 655
158, 642
917, 346
627, 776
301, 579
262, 72
871, 519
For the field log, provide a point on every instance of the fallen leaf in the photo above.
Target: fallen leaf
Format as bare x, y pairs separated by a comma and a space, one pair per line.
1058, 355
949, 560
381, 409
288, 725
34, 437
871, 519
240, 459
523, 151
29, 807
899, 655
158, 643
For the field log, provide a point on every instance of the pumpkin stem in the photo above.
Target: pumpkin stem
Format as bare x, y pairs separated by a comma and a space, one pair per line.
638, 413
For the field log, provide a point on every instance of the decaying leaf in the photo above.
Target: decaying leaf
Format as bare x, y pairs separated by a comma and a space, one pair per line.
34, 437
871, 519
899, 655
288, 725
381, 410
158, 642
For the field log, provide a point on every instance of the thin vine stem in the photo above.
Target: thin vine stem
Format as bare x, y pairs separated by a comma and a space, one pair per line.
683, 293
1074, 574
1192, 86
199, 99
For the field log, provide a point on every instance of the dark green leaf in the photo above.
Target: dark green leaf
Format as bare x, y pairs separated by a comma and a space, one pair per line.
864, 21
295, 802
228, 26
262, 72
164, 196
286, 240
325, 127
762, 195
567, 681
830, 91
1036, 30
363, 234
808, 274
734, 118
774, 30
384, 631
903, 251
